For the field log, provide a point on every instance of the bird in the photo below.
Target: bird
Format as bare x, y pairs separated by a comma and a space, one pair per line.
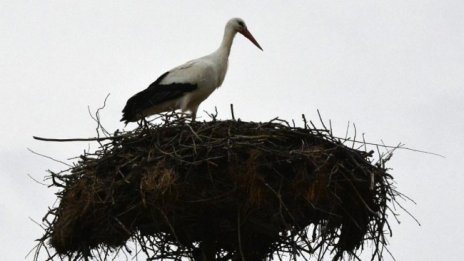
186, 86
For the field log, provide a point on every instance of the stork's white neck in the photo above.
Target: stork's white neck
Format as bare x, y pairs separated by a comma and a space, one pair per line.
226, 44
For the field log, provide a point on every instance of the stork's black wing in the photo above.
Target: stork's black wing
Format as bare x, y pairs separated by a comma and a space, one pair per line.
155, 94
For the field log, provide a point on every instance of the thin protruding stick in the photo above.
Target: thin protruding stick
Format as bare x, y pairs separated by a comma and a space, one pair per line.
75, 139
232, 111
48, 157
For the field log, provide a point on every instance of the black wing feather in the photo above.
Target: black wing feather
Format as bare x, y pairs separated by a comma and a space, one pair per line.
155, 94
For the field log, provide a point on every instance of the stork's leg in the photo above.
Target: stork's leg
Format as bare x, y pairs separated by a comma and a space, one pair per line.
194, 113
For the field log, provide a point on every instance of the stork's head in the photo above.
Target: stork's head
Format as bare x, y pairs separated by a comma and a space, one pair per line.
239, 26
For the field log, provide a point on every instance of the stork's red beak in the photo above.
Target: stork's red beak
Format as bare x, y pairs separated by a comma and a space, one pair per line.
250, 37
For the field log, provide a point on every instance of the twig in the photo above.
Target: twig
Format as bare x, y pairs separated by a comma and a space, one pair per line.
392, 147
48, 157
239, 234
76, 139
232, 111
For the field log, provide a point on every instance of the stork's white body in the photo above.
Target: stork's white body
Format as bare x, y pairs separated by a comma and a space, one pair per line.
207, 73
186, 86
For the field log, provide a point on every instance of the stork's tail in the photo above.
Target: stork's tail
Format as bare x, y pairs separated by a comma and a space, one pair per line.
129, 114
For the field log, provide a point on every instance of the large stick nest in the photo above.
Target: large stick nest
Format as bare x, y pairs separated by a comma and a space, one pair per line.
221, 190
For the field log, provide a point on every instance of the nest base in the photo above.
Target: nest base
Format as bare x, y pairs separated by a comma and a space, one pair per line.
221, 190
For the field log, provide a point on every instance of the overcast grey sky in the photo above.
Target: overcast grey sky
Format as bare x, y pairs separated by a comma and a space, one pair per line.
395, 68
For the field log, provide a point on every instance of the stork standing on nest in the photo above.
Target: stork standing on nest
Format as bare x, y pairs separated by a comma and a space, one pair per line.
187, 85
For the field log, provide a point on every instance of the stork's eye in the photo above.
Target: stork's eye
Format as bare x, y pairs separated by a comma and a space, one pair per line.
241, 23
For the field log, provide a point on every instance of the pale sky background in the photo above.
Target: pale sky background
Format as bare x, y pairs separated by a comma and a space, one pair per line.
395, 68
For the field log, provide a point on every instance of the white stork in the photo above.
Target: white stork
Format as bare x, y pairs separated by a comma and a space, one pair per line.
187, 85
